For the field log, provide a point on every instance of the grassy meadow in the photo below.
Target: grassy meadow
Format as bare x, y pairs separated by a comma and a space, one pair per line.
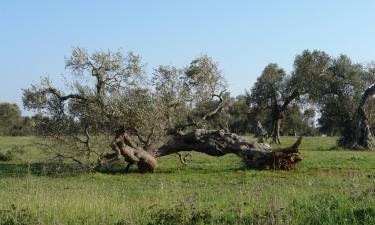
330, 186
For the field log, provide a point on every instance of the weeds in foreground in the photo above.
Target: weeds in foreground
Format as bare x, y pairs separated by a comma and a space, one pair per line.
314, 210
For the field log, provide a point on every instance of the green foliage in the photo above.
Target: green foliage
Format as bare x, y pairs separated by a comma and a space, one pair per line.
8, 156
10, 119
270, 87
328, 208
13, 124
275, 87
180, 214
341, 89
309, 67
15, 216
13, 152
274, 91
334, 85
298, 123
184, 95
237, 115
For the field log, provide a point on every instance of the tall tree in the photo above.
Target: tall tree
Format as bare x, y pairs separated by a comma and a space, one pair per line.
346, 88
275, 90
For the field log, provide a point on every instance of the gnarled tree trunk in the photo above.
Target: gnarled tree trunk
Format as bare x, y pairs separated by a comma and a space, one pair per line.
357, 134
276, 123
210, 142
260, 133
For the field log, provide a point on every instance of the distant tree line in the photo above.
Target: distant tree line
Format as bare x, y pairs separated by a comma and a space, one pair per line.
318, 97
340, 91
12, 123
238, 117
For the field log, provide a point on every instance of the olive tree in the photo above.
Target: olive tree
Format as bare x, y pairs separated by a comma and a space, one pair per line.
275, 90
346, 88
110, 95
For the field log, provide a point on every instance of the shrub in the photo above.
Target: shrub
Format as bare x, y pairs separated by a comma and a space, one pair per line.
15, 216
5, 157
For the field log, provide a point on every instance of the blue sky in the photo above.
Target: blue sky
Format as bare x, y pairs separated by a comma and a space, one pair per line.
243, 36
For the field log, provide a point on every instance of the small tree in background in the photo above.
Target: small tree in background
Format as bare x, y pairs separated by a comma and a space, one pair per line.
10, 119
274, 90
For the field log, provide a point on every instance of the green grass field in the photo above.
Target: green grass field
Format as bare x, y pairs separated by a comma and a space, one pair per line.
330, 186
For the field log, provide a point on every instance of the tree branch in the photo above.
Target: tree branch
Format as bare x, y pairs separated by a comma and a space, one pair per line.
290, 98
61, 98
205, 117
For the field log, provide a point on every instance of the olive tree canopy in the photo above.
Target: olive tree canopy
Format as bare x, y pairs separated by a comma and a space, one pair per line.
275, 90
345, 89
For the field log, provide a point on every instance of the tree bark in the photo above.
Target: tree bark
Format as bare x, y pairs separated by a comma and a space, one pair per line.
211, 142
277, 114
357, 134
260, 133
276, 131
276, 123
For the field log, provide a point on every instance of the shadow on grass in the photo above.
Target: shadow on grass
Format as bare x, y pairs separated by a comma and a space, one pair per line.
161, 170
38, 169
52, 170
193, 169
21, 169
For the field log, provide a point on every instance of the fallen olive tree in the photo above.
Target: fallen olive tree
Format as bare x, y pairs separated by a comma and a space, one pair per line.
210, 142
171, 113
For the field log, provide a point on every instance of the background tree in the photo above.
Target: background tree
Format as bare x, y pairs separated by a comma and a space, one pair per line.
309, 121
345, 89
298, 122
274, 90
237, 114
270, 92
10, 119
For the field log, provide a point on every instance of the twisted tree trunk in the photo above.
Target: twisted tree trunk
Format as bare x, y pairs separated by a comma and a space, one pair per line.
260, 133
276, 130
357, 134
278, 114
210, 142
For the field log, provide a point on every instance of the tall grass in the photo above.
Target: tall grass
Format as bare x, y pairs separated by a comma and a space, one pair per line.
330, 186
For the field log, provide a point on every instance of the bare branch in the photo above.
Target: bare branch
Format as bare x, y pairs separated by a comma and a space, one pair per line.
57, 94
290, 98
184, 158
141, 138
205, 117
58, 155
